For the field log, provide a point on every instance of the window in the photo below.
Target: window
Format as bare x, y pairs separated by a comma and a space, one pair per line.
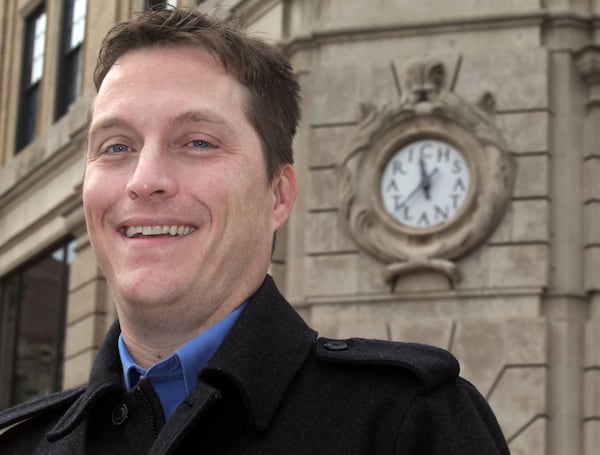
160, 4
32, 320
70, 61
31, 75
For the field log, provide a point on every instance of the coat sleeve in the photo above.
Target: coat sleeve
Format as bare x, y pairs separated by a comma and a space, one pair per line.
453, 419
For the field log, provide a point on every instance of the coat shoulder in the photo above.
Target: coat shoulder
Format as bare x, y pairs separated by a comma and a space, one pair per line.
38, 406
433, 366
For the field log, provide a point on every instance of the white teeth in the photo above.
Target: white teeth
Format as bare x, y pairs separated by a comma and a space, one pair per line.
172, 230
134, 230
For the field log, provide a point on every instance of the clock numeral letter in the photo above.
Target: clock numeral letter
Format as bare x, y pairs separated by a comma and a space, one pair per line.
455, 200
423, 154
397, 167
459, 185
443, 154
457, 166
424, 219
411, 155
392, 187
440, 213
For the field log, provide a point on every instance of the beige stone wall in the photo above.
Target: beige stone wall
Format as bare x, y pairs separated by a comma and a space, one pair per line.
516, 319
524, 319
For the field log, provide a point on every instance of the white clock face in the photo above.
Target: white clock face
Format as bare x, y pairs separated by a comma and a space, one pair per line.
425, 184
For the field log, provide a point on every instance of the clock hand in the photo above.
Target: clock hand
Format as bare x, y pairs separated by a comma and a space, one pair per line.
424, 184
427, 183
424, 178
423, 168
410, 196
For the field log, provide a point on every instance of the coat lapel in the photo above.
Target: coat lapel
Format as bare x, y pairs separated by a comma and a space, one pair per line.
105, 377
262, 353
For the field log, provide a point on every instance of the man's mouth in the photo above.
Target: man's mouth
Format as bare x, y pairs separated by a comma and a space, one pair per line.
153, 231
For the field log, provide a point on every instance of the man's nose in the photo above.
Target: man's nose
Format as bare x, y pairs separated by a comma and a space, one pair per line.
153, 176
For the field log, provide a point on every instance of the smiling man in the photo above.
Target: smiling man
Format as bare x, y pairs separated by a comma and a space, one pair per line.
179, 207
189, 176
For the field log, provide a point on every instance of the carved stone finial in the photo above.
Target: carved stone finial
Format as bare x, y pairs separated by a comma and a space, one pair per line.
425, 80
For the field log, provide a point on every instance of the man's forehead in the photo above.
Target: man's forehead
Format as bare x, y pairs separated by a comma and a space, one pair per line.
196, 71
155, 51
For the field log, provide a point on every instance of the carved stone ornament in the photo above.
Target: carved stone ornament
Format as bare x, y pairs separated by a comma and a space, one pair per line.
428, 178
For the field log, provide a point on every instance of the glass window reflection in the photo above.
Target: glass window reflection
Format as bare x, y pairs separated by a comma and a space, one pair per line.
33, 305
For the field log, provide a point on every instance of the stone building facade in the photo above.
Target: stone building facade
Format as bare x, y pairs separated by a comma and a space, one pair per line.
511, 287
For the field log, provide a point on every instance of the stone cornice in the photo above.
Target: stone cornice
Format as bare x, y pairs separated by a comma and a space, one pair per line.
458, 24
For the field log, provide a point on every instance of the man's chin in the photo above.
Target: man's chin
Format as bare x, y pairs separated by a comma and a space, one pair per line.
145, 294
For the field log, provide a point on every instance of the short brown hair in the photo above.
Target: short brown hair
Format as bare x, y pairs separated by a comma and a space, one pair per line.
264, 69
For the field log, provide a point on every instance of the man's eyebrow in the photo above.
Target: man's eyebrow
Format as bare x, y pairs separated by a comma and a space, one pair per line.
199, 116
96, 128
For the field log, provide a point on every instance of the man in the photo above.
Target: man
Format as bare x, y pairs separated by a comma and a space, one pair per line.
189, 176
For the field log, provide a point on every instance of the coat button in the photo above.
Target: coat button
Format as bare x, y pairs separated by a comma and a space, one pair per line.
119, 414
336, 345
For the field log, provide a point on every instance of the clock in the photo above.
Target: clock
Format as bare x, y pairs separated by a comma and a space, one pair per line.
425, 184
427, 177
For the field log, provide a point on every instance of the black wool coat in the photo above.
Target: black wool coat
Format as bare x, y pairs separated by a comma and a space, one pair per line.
273, 387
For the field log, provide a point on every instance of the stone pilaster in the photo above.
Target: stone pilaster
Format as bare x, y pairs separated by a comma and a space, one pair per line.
588, 65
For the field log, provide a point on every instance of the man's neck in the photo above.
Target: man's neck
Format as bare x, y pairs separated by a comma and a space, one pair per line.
150, 341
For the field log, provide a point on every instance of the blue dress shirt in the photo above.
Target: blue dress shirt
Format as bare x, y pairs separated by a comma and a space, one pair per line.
174, 377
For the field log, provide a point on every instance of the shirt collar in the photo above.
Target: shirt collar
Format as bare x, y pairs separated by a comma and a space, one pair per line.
185, 362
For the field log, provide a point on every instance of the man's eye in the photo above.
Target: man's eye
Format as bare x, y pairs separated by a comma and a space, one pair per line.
117, 148
199, 143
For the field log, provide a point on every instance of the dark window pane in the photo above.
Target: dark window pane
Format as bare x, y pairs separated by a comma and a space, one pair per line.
31, 74
160, 4
38, 323
28, 116
32, 307
69, 66
9, 307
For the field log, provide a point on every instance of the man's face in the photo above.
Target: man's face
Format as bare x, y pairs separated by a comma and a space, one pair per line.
177, 203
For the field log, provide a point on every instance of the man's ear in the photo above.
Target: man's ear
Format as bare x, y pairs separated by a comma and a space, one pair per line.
285, 191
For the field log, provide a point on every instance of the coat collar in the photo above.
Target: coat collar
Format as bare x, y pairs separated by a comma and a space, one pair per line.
105, 377
262, 354
269, 336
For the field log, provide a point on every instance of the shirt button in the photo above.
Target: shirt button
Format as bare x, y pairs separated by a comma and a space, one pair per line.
119, 414
336, 345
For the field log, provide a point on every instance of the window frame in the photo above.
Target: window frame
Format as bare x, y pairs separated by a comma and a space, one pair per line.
30, 86
70, 55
